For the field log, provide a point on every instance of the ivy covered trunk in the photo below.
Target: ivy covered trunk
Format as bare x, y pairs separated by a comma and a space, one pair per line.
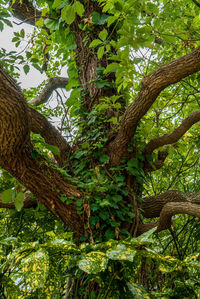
101, 110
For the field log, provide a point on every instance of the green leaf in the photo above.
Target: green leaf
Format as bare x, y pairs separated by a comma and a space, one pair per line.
112, 67
133, 163
1, 26
99, 19
7, 196
51, 24
144, 238
8, 22
104, 159
93, 262
79, 8
22, 33
121, 253
35, 268
118, 6
95, 43
19, 201
53, 148
57, 3
15, 39
100, 52
26, 69
137, 290
68, 14
111, 20
103, 34
133, 171
113, 120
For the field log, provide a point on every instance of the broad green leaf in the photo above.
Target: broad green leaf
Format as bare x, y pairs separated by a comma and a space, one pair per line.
62, 244
138, 291
68, 14
51, 24
121, 253
79, 8
19, 201
112, 67
103, 34
26, 69
104, 158
7, 22
40, 22
99, 19
133, 163
100, 52
7, 196
57, 3
22, 33
35, 268
95, 43
93, 262
111, 20
144, 238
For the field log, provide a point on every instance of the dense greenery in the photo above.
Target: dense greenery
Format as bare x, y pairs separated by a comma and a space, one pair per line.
107, 49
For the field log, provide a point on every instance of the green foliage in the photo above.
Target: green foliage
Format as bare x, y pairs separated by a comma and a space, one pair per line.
129, 40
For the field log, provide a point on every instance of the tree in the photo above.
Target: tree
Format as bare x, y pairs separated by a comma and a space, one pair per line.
132, 147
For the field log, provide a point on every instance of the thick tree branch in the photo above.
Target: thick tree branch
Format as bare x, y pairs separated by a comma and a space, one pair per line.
167, 205
175, 135
54, 83
173, 208
32, 171
152, 85
25, 11
152, 206
39, 124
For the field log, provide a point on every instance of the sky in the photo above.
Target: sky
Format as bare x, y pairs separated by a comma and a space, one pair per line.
34, 77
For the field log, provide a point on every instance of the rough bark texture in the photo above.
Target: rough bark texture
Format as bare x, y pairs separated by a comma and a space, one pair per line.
17, 156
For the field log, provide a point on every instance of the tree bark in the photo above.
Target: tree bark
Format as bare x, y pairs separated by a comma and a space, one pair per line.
18, 157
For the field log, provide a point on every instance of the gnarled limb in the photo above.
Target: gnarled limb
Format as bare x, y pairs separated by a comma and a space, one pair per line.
152, 85
187, 123
173, 208
165, 206
53, 83
151, 206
